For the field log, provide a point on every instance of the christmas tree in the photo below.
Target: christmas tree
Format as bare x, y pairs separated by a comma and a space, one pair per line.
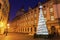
42, 28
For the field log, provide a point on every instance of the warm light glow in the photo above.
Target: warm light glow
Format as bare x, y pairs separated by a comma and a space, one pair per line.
1, 24
52, 18
42, 27
8, 24
51, 9
8, 27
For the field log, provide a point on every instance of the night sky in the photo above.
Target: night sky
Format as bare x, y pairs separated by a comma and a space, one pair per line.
15, 5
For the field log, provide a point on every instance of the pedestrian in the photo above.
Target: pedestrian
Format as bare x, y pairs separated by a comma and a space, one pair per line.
6, 31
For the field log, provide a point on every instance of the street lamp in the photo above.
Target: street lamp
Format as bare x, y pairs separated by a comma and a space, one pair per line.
8, 25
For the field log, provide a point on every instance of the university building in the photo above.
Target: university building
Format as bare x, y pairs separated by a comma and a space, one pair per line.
4, 10
28, 21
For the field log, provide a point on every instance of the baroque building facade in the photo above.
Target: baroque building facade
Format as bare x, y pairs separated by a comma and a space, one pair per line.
52, 16
28, 22
4, 10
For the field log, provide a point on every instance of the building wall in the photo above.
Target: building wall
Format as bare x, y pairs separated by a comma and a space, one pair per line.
28, 22
4, 10
52, 15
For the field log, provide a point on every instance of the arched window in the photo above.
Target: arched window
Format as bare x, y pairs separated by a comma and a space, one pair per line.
0, 5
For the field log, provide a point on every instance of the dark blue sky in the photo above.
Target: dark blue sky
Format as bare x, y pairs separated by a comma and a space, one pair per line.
15, 5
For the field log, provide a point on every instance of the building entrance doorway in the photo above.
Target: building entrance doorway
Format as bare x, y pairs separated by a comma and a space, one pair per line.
53, 30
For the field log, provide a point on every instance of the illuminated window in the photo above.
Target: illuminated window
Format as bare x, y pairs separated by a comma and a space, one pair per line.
35, 15
44, 12
52, 18
45, 19
51, 9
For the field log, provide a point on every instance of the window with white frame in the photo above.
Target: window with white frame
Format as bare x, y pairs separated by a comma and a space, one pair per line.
51, 9
52, 18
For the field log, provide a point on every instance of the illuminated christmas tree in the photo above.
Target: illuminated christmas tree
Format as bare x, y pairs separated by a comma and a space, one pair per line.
42, 28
